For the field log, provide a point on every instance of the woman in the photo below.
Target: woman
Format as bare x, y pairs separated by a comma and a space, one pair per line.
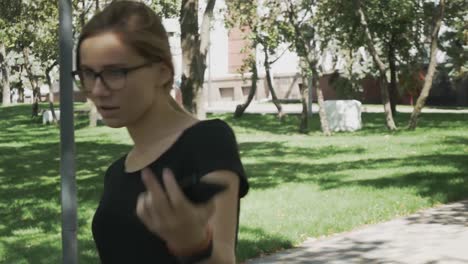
124, 66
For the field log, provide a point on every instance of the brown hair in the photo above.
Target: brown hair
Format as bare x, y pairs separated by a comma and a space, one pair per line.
138, 26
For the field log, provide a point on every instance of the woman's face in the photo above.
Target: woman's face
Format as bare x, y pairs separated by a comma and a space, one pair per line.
129, 85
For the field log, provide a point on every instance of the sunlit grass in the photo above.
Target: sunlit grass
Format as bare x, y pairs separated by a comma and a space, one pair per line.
301, 185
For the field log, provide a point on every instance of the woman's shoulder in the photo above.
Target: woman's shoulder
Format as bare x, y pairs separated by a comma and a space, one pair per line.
210, 132
118, 165
210, 127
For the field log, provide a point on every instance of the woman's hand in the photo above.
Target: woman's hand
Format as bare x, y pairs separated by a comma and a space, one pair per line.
170, 214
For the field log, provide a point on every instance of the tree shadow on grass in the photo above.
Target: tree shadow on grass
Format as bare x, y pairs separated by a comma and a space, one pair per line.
438, 187
442, 120
280, 149
16, 118
268, 123
30, 198
256, 242
462, 142
30, 182
19, 128
373, 123
441, 186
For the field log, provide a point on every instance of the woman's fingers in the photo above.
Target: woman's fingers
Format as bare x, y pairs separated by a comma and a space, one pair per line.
180, 202
169, 213
142, 211
157, 199
176, 196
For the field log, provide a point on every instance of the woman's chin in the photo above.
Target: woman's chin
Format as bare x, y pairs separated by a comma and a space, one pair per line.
113, 123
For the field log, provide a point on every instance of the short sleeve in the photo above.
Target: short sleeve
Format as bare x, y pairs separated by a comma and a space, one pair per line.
214, 147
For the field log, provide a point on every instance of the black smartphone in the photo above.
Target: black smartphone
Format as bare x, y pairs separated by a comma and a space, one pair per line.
202, 192
196, 191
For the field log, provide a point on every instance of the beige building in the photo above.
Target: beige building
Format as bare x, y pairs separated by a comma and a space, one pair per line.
223, 82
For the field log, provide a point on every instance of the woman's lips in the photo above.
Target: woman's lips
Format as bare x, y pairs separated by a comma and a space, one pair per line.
107, 111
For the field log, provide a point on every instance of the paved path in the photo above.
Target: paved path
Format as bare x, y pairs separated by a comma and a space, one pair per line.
437, 235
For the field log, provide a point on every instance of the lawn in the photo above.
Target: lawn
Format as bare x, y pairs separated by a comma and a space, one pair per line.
302, 185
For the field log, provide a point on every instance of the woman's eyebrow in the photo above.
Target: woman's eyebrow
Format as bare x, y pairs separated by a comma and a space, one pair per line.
107, 66
114, 65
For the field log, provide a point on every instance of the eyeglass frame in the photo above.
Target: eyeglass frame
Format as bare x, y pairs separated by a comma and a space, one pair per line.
124, 70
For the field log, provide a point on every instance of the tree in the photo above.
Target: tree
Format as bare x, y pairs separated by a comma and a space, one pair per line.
8, 10
431, 69
260, 34
390, 30
33, 80
38, 45
243, 15
301, 30
380, 65
46, 46
400, 32
83, 10
5, 72
251, 63
195, 43
21, 37
454, 40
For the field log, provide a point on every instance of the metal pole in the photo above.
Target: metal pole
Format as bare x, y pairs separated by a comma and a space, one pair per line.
67, 138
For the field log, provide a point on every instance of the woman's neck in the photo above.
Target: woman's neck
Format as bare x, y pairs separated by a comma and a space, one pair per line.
157, 124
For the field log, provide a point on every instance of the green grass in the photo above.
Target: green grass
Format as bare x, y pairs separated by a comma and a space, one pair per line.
301, 185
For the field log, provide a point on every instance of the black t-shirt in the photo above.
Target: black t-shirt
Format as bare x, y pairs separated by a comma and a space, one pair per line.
119, 234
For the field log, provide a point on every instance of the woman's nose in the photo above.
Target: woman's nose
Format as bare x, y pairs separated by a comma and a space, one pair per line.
99, 88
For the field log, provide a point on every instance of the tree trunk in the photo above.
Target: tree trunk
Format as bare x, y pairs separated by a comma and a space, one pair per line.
304, 124
51, 92
386, 104
4, 69
269, 80
93, 113
20, 85
393, 89
421, 101
240, 109
82, 18
309, 64
194, 51
312, 62
291, 87
321, 102
380, 65
34, 84
20, 92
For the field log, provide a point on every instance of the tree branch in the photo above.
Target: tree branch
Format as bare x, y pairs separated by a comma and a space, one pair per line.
281, 55
369, 41
205, 27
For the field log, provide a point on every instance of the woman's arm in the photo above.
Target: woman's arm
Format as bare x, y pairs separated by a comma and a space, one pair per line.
224, 219
183, 225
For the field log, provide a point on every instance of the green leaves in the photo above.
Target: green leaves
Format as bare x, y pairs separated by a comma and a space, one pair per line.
34, 24
10, 10
166, 8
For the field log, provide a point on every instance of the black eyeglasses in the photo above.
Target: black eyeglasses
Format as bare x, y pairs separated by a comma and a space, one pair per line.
113, 79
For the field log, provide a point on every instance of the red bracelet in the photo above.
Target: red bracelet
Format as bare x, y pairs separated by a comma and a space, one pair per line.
193, 251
